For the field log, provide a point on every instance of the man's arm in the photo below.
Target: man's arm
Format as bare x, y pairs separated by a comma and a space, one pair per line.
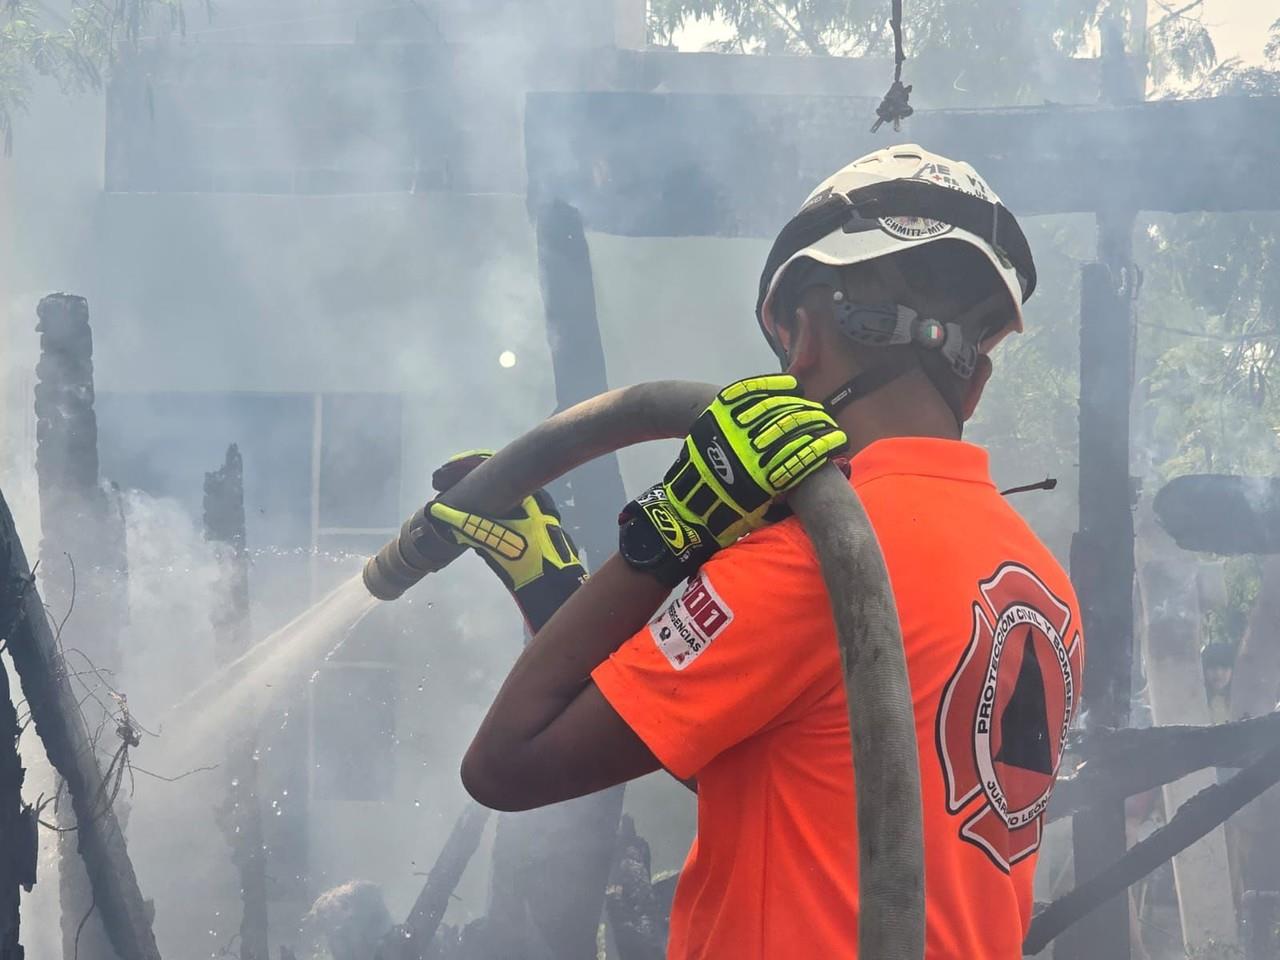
550, 734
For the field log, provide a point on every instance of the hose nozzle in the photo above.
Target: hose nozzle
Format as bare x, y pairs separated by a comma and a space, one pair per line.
417, 551
569, 438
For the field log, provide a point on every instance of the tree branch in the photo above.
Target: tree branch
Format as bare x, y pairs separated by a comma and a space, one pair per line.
801, 33
1173, 14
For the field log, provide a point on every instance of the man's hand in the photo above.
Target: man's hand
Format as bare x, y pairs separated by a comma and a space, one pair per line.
757, 440
527, 547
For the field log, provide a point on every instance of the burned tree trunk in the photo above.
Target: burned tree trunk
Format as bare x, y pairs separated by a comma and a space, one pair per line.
17, 820
82, 558
55, 711
241, 812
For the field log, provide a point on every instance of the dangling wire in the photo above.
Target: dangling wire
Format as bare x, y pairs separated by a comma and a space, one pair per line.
895, 108
1048, 483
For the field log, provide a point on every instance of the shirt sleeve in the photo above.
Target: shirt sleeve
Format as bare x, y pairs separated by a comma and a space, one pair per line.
751, 634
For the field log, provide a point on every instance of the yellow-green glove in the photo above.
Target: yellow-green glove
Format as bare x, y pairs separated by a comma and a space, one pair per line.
757, 440
527, 547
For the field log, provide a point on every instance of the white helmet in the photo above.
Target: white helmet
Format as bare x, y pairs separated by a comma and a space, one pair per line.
892, 200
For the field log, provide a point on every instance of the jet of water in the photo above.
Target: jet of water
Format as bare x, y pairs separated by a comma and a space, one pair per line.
237, 695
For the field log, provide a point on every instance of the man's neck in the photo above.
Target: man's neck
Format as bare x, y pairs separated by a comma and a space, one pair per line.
906, 407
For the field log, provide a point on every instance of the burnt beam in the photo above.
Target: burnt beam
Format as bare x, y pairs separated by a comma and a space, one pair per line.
415, 939
240, 814
1221, 513
657, 164
1115, 764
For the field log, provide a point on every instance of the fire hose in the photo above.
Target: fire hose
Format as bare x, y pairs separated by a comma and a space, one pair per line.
881, 719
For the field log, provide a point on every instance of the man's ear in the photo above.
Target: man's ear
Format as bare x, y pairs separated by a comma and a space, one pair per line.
977, 383
802, 341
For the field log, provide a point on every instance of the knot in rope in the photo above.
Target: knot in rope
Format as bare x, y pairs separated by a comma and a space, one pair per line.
895, 108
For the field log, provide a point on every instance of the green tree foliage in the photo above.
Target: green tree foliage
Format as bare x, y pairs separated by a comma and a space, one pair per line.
952, 42
76, 49
1209, 320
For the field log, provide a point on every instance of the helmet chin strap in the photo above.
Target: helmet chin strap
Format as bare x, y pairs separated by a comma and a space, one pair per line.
892, 324
868, 381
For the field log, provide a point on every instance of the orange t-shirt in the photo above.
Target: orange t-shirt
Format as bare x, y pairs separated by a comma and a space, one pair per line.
738, 683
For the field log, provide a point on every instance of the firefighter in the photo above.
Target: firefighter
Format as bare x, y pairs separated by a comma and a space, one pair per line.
882, 299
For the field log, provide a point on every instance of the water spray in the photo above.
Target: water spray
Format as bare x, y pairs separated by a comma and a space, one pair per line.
882, 721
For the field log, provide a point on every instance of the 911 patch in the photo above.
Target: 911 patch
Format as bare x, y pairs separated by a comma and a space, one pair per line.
688, 624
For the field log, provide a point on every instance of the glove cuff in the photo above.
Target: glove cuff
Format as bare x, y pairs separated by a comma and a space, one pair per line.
543, 596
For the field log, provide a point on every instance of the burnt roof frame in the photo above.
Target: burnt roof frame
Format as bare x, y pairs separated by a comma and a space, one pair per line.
733, 165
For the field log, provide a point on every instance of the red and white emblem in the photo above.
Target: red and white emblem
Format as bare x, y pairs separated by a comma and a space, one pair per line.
1005, 712
688, 624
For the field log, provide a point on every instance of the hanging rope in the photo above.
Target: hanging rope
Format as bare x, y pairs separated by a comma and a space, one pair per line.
895, 108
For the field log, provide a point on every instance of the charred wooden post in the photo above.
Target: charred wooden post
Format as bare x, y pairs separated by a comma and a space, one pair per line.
55, 712
17, 820
429, 909
1102, 562
241, 812
1221, 513
553, 864
224, 527
637, 915
78, 517
1102, 567
82, 557
415, 939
